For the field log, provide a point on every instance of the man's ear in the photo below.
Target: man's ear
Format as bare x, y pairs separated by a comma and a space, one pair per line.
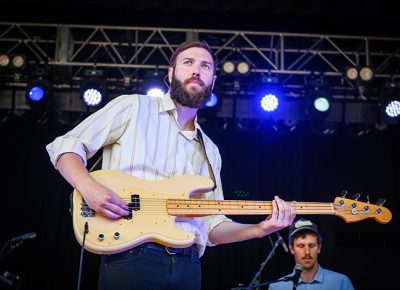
291, 249
170, 74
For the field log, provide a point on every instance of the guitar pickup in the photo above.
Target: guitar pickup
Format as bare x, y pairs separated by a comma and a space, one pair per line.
134, 205
135, 202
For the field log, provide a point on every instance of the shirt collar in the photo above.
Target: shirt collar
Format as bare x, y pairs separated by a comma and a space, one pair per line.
167, 104
319, 277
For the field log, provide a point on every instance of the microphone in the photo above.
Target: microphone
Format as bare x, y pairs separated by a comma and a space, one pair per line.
296, 276
284, 246
24, 237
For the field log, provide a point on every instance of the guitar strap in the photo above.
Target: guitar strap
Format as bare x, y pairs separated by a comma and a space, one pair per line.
210, 170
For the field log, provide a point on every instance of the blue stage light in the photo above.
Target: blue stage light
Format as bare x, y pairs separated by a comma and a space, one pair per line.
36, 93
213, 101
269, 102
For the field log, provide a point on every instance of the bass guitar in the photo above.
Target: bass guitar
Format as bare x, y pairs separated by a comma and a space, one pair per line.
154, 206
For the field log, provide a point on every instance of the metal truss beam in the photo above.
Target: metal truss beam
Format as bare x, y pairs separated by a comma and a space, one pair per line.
128, 54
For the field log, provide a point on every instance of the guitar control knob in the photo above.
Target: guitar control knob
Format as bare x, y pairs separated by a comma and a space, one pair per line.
101, 237
116, 235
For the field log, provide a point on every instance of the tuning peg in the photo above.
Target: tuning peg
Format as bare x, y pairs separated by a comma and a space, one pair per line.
381, 201
356, 196
367, 198
344, 192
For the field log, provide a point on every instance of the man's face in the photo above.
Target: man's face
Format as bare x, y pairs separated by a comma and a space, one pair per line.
305, 250
192, 79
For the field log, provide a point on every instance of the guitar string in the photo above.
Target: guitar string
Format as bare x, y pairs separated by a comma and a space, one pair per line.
329, 208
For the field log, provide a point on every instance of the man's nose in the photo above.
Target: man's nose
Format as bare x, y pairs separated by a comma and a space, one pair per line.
196, 71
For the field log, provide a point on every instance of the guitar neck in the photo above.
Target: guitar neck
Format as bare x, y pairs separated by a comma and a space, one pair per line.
200, 207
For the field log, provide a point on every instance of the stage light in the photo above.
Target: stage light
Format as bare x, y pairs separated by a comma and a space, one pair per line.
4, 60
93, 92
12, 61
318, 102
234, 67
267, 95
363, 74
228, 67
390, 101
269, 102
366, 74
351, 73
38, 93
18, 61
155, 92
392, 108
243, 67
321, 103
213, 101
154, 84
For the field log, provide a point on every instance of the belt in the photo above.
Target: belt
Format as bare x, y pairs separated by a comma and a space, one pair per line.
172, 251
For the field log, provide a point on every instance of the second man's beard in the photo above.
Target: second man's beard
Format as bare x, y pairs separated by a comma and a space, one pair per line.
196, 100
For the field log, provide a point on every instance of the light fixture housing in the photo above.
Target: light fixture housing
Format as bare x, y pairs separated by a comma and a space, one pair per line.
359, 74
243, 68
228, 67
235, 67
351, 73
389, 103
318, 101
38, 94
366, 74
93, 92
12, 61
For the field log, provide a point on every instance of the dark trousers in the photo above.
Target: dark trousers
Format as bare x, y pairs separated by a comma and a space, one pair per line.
151, 266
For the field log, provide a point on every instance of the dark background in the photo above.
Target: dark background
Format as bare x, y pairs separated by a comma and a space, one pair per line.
257, 163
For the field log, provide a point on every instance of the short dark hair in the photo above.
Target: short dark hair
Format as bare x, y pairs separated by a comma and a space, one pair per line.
189, 44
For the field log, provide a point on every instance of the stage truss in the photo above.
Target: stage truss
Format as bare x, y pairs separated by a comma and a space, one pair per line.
126, 56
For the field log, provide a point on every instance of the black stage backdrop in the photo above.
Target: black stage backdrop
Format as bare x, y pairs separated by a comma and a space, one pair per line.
258, 162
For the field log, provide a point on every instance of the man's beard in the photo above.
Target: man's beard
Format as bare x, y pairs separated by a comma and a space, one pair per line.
196, 100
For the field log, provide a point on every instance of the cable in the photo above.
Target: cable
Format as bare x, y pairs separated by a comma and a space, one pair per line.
85, 231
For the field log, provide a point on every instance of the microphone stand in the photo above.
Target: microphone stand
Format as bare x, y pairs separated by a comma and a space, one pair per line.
4, 253
13, 281
258, 273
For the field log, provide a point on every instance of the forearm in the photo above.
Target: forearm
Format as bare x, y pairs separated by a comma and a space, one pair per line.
98, 197
71, 167
230, 232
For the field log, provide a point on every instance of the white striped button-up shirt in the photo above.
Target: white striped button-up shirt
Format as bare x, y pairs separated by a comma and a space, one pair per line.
140, 136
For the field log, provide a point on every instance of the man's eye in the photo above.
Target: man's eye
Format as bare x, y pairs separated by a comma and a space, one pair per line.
206, 66
187, 62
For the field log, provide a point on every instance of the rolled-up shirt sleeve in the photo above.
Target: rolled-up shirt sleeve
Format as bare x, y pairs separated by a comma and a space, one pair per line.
103, 127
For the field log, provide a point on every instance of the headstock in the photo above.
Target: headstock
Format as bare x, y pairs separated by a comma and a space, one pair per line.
352, 210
